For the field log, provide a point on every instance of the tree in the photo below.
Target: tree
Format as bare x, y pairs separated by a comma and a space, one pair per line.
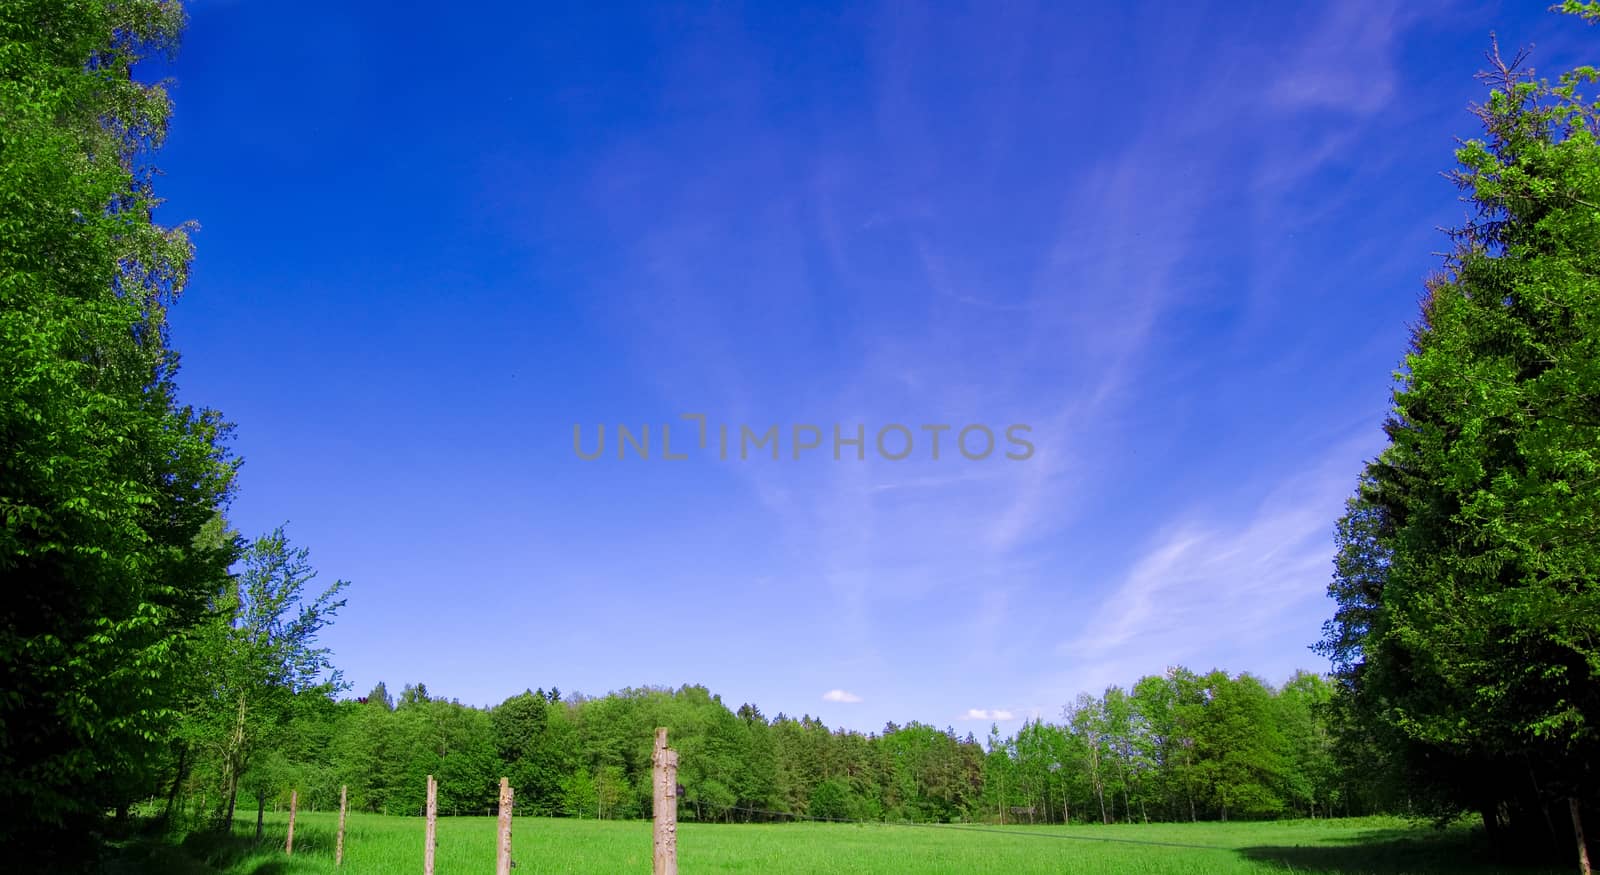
526, 734
832, 800
1155, 700
1121, 726
458, 747
367, 751
758, 786
1309, 776
1086, 717
259, 653
1468, 631
579, 798
1239, 746
1042, 753
106, 481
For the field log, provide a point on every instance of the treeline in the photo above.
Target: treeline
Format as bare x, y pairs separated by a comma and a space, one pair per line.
1179, 746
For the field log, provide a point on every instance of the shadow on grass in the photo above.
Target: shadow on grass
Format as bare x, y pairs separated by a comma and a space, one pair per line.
204, 852
1395, 852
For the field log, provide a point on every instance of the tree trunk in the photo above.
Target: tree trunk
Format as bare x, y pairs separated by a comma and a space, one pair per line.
261, 811
1542, 802
177, 783
233, 794
1577, 832
235, 764
1491, 823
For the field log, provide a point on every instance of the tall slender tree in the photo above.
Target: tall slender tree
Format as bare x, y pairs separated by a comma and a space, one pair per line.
259, 652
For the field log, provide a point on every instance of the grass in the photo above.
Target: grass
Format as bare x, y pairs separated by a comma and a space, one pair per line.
379, 844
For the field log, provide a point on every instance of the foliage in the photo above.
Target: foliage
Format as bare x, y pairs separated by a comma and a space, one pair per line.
1181, 747
1467, 637
107, 483
256, 667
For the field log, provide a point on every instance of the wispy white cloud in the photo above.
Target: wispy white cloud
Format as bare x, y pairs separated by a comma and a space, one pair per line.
1071, 331
997, 714
1347, 63
1205, 590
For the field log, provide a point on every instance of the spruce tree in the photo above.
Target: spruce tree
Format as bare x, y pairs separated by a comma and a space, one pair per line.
1467, 636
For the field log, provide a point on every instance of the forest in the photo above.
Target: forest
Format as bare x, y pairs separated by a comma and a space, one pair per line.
1177, 747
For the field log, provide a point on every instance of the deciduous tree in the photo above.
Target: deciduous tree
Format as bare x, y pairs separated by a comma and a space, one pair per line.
106, 480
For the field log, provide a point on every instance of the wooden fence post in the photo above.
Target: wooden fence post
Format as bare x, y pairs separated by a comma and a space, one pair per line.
430, 829
338, 845
665, 805
502, 865
294, 800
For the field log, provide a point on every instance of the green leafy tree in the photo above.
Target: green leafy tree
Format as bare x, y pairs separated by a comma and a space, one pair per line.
528, 732
579, 798
1169, 707
1310, 774
106, 481
833, 799
1086, 717
258, 654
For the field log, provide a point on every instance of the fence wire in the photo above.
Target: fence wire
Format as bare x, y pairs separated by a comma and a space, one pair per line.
964, 827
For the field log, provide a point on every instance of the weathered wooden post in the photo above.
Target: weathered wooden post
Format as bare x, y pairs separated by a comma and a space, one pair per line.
430, 830
665, 805
502, 864
294, 800
338, 845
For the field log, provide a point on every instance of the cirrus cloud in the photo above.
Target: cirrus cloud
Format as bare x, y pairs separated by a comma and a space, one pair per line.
841, 696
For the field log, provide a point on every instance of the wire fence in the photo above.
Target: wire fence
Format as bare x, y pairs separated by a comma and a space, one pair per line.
967, 827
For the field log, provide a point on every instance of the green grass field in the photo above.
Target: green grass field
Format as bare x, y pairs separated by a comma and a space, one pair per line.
378, 844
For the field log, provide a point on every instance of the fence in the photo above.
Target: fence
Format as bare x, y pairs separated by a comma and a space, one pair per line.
665, 790
664, 774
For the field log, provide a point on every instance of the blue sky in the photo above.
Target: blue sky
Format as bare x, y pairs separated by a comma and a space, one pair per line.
1182, 244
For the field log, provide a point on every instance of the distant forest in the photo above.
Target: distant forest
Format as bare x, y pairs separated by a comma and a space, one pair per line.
1179, 746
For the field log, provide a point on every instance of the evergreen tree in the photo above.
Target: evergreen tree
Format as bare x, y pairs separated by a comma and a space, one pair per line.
1468, 632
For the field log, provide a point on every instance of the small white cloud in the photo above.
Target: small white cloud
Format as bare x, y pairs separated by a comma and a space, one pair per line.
847, 698
988, 714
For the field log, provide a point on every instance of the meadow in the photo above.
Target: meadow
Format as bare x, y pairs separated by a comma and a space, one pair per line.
380, 844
